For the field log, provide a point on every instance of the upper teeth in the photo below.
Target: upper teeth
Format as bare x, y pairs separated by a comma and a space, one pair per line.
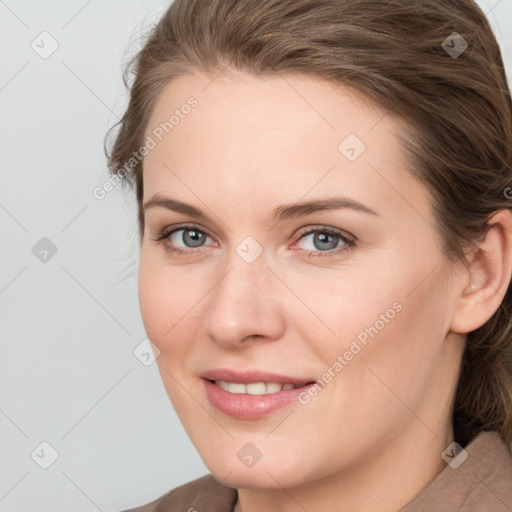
254, 388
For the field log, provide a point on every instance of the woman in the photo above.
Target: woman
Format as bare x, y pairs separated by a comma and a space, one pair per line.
324, 194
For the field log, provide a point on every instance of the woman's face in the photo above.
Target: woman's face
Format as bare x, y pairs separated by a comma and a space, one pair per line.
357, 296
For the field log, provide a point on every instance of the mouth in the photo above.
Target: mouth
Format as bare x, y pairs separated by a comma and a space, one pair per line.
252, 395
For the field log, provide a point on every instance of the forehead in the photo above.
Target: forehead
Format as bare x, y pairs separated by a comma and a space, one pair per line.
284, 106
272, 136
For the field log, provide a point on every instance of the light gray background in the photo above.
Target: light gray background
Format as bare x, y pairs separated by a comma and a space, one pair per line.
68, 375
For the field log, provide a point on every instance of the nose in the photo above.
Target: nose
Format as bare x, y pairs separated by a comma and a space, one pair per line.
244, 303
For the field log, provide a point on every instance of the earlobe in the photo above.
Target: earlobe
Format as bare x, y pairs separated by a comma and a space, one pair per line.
484, 284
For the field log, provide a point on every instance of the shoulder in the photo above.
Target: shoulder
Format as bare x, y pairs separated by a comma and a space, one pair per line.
192, 497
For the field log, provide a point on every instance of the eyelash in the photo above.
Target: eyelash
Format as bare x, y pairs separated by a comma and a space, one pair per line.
349, 244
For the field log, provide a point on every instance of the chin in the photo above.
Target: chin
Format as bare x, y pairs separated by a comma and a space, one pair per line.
253, 478
276, 467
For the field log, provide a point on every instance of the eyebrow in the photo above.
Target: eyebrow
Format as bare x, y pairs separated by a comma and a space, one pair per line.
285, 211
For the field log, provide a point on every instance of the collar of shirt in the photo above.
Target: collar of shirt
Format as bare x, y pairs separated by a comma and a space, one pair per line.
477, 479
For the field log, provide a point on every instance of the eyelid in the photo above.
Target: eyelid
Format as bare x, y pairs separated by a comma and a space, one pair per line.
312, 228
165, 233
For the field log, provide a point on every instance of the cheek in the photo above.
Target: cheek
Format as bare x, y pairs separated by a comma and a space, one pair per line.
166, 303
381, 326
345, 308
152, 302
400, 358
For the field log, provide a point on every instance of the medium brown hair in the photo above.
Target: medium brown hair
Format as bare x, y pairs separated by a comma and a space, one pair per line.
457, 110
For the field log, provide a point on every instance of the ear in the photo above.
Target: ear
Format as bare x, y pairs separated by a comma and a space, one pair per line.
484, 284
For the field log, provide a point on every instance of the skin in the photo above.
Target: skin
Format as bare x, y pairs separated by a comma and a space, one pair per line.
372, 438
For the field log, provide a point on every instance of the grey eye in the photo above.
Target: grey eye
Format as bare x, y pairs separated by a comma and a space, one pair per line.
189, 237
322, 241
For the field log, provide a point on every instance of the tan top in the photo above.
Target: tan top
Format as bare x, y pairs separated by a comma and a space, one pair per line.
482, 483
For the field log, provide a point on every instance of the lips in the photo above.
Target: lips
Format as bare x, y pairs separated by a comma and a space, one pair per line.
251, 395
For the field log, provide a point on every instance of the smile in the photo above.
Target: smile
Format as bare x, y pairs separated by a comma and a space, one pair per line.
251, 395
254, 388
